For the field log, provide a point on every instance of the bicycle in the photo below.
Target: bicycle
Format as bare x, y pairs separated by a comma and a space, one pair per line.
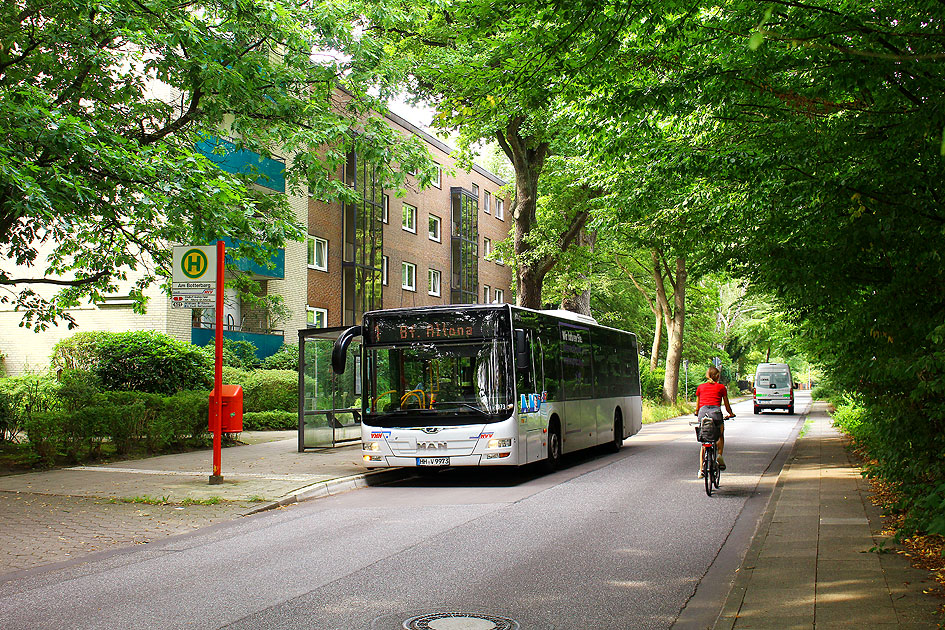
711, 473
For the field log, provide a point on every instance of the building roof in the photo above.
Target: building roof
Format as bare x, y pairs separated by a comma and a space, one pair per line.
439, 144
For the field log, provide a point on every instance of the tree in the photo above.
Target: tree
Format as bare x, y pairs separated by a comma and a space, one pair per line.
517, 74
103, 104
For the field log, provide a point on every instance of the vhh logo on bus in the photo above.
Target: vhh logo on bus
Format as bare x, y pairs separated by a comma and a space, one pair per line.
531, 403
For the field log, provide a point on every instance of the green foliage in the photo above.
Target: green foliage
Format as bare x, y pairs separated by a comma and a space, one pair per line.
651, 382
77, 388
78, 352
271, 390
27, 395
149, 361
84, 424
657, 412
270, 421
235, 376
286, 358
237, 354
7, 417
100, 168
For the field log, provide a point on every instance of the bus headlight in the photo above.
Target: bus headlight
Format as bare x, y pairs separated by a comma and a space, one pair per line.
500, 443
370, 446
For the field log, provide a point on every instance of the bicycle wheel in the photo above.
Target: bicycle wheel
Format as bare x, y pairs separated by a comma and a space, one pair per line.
707, 468
716, 470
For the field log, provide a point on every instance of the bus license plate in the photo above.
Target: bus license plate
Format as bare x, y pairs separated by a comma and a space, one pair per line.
433, 461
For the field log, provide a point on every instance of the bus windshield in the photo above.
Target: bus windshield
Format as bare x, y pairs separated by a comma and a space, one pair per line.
438, 384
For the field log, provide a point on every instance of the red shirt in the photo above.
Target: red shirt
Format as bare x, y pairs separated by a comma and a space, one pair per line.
710, 394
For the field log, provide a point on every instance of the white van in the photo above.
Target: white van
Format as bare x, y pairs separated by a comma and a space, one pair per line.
774, 387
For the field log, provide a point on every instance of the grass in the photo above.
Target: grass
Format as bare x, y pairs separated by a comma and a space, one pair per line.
657, 413
165, 500
804, 429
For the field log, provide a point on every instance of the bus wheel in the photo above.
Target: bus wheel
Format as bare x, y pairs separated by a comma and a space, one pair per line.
554, 448
617, 442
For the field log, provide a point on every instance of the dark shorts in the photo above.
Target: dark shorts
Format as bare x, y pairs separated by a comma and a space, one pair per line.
715, 413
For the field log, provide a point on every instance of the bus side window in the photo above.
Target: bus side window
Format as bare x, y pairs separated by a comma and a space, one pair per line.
524, 362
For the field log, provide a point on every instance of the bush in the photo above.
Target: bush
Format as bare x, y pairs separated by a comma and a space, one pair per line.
46, 432
651, 382
149, 361
286, 358
270, 421
78, 352
271, 390
8, 424
235, 376
186, 418
237, 354
77, 388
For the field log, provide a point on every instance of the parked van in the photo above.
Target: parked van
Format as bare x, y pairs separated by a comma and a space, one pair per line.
774, 387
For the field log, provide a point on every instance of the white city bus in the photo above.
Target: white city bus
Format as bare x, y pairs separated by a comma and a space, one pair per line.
482, 385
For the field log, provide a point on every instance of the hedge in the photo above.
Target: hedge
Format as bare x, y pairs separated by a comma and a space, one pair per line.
270, 421
271, 390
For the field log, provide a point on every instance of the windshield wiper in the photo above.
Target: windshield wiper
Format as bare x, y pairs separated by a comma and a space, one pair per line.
463, 404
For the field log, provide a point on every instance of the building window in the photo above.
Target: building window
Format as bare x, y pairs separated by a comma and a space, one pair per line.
410, 218
408, 280
384, 271
434, 228
434, 282
485, 294
476, 192
500, 209
317, 317
499, 296
486, 247
486, 202
385, 206
317, 253
464, 247
362, 242
438, 178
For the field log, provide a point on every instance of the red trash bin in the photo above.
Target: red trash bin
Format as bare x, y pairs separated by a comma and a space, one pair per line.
232, 409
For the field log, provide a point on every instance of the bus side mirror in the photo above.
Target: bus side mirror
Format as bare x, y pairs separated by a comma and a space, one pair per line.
521, 350
339, 351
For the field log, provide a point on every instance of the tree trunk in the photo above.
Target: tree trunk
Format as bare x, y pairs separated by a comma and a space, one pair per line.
528, 159
657, 342
673, 316
573, 300
527, 155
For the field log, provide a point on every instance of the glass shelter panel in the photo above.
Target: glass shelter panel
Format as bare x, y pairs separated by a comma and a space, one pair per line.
329, 403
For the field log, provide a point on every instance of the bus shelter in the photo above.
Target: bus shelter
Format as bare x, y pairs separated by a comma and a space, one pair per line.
329, 403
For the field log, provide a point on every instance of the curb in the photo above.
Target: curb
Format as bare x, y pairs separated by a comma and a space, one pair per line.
331, 487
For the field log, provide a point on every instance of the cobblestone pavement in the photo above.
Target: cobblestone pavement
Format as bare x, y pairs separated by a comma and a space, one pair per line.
37, 530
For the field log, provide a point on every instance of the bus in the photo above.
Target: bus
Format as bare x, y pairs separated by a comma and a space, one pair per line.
485, 385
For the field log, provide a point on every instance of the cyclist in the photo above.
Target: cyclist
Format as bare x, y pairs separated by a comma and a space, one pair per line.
709, 399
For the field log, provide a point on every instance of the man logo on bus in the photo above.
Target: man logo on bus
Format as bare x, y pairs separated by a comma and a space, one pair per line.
194, 263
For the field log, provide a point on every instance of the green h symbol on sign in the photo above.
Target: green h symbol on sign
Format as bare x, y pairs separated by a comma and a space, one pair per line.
194, 263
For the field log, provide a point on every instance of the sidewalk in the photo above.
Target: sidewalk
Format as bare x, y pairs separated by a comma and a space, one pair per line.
810, 564
267, 473
60, 516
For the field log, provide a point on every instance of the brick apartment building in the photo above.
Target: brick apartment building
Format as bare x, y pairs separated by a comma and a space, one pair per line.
426, 247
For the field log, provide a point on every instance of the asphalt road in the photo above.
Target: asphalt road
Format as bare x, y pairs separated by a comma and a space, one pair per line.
626, 540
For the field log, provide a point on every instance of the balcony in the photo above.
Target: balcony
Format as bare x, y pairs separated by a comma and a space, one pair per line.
275, 268
267, 343
223, 153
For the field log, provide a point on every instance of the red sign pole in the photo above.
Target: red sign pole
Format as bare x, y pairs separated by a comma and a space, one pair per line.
216, 410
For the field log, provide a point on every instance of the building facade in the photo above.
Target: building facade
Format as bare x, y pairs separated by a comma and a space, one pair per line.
425, 247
